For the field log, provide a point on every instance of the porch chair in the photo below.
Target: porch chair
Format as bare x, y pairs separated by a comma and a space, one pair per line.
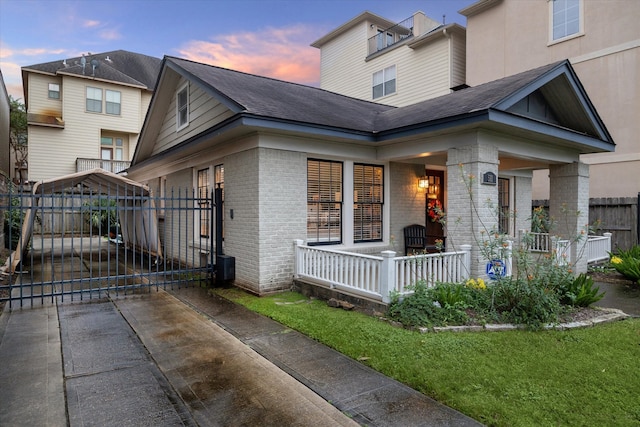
415, 238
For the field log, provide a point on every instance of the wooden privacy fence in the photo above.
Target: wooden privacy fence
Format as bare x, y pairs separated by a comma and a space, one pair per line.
615, 215
618, 216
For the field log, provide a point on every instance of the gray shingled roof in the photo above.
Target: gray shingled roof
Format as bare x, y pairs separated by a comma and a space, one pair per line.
277, 99
122, 67
460, 103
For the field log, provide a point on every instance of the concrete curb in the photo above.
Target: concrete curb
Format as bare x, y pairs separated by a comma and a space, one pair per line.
609, 315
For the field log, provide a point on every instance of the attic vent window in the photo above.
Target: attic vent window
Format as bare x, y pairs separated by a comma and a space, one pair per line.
182, 107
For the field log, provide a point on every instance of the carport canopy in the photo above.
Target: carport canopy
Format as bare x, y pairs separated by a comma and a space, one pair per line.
126, 192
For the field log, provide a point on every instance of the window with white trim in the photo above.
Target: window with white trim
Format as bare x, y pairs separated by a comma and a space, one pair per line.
384, 82
112, 102
54, 91
204, 202
368, 199
324, 202
182, 107
94, 99
503, 206
565, 18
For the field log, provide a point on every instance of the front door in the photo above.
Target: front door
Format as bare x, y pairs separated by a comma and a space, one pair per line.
434, 207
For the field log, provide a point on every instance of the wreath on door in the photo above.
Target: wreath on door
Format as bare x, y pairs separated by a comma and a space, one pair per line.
435, 211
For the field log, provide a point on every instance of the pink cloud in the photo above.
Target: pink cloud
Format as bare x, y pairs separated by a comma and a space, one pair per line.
91, 23
281, 53
110, 34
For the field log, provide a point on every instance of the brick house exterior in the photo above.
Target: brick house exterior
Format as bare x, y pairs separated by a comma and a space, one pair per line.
298, 162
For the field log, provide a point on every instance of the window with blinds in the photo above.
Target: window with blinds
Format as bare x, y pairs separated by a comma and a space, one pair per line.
368, 199
324, 202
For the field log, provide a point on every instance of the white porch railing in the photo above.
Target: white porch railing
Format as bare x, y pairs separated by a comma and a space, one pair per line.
376, 277
597, 247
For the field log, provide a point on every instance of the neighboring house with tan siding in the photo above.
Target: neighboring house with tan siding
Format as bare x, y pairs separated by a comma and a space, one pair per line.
601, 39
372, 58
86, 112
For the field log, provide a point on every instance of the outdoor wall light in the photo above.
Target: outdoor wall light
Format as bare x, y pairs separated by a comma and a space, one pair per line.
431, 184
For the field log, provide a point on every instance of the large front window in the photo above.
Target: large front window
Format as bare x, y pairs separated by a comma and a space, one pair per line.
368, 191
324, 202
384, 82
565, 18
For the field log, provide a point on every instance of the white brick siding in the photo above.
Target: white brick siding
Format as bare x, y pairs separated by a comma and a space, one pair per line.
469, 202
569, 207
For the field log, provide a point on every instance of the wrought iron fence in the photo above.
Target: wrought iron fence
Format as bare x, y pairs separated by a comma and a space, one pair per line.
102, 241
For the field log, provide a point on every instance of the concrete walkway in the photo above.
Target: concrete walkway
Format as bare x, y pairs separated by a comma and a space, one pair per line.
187, 358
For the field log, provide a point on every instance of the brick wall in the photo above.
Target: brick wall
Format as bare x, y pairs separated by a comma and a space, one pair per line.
471, 205
266, 189
569, 207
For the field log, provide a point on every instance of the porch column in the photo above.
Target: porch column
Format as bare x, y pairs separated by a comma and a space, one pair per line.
569, 208
471, 205
522, 203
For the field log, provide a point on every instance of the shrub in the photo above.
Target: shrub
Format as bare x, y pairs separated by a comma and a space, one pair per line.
627, 263
521, 302
416, 309
581, 292
441, 305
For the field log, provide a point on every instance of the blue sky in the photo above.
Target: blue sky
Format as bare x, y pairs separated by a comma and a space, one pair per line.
264, 37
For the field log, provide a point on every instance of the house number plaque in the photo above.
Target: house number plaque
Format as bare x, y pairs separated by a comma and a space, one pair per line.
489, 178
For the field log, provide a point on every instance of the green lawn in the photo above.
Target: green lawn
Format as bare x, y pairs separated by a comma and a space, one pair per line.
581, 377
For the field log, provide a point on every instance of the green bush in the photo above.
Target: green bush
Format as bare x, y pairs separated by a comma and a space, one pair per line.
523, 302
581, 292
627, 263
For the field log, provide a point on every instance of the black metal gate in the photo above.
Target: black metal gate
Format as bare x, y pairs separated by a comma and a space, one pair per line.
87, 242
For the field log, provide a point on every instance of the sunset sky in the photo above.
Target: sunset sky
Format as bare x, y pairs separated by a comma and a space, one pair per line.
265, 37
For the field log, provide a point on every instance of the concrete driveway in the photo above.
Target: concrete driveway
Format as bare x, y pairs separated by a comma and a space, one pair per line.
187, 359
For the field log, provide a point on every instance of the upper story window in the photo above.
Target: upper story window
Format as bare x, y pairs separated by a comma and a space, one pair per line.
565, 18
94, 99
368, 199
54, 91
324, 202
384, 82
182, 107
112, 102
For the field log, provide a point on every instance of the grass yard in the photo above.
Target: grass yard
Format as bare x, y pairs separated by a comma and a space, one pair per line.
581, 377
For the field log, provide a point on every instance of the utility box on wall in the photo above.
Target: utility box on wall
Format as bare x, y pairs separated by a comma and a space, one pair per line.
225, 268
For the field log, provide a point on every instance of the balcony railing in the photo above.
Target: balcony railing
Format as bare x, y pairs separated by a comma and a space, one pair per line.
391, 36
114, 166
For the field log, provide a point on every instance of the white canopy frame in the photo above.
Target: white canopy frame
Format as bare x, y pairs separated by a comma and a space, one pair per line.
135, 208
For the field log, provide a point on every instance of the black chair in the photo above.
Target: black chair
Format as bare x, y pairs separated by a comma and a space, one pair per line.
415, 238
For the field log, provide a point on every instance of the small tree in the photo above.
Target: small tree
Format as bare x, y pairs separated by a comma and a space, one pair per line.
18, 132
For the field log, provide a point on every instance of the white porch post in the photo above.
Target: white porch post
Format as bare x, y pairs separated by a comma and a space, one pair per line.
471, 205
569, 208
387, 275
